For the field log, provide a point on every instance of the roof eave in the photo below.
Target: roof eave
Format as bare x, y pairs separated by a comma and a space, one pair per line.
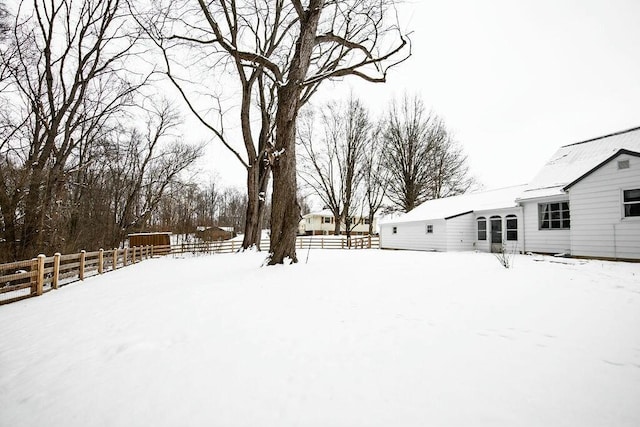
457, 215
599, 165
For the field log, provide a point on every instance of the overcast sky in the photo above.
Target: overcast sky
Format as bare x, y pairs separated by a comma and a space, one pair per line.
513, 79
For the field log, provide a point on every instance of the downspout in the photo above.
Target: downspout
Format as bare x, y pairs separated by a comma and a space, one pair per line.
615, 243
524, 241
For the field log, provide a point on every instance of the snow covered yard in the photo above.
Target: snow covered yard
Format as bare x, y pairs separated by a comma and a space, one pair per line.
353, 338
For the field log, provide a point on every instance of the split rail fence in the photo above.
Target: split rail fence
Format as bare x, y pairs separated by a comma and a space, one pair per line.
34, 277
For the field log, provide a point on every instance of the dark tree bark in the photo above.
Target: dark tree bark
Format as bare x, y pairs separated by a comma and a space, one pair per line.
285, 210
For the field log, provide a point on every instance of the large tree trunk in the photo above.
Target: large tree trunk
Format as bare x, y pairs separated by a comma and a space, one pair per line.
285, 210
337, 222
252, 221
30, 241
347, 226
257, 183
370, 224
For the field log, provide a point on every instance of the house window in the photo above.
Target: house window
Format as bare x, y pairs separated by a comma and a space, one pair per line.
512, 227
482, 228
631, 202
554, 216
429, 228
366, 221
327, 220
395, 230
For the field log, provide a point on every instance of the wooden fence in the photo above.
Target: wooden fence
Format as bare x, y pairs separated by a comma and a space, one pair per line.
337, 242
302, 242
25, 279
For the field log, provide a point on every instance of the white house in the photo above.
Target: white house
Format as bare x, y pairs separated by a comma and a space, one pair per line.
323, 223
584, 202
458, 223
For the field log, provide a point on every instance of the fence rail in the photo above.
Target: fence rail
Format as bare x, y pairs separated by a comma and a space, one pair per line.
25, 279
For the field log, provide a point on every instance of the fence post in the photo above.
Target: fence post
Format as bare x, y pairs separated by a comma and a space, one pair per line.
115, 258
233, 243
151, 251
81, 272
124, 260
40, 280
369, 241
133, 256
322, 242
56, 270
100, 260
342, 243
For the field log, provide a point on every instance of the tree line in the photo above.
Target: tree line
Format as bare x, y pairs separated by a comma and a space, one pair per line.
360, 166
89, 150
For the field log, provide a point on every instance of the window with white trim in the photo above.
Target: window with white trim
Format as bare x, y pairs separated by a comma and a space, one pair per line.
512, 227
631, 202
482, 228
554, 216
429, 229
327, 220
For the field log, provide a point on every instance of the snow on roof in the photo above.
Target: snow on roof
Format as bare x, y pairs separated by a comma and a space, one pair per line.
465, 203
572, 161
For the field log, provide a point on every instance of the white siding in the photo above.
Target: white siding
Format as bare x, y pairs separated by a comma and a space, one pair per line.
412, 235
598, 226
512, 245
316, 224
547, 241
461, 233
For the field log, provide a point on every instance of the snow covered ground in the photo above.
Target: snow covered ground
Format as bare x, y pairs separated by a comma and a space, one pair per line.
352, 338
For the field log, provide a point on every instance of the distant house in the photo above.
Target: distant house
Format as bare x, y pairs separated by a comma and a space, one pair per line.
212, 234
585, 202
323, 223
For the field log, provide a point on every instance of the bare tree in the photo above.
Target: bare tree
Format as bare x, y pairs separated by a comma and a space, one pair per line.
144, 166
212, 34
333, 164
422, 160
375, 176
450, 170
295, 47
4, 18
65, 77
